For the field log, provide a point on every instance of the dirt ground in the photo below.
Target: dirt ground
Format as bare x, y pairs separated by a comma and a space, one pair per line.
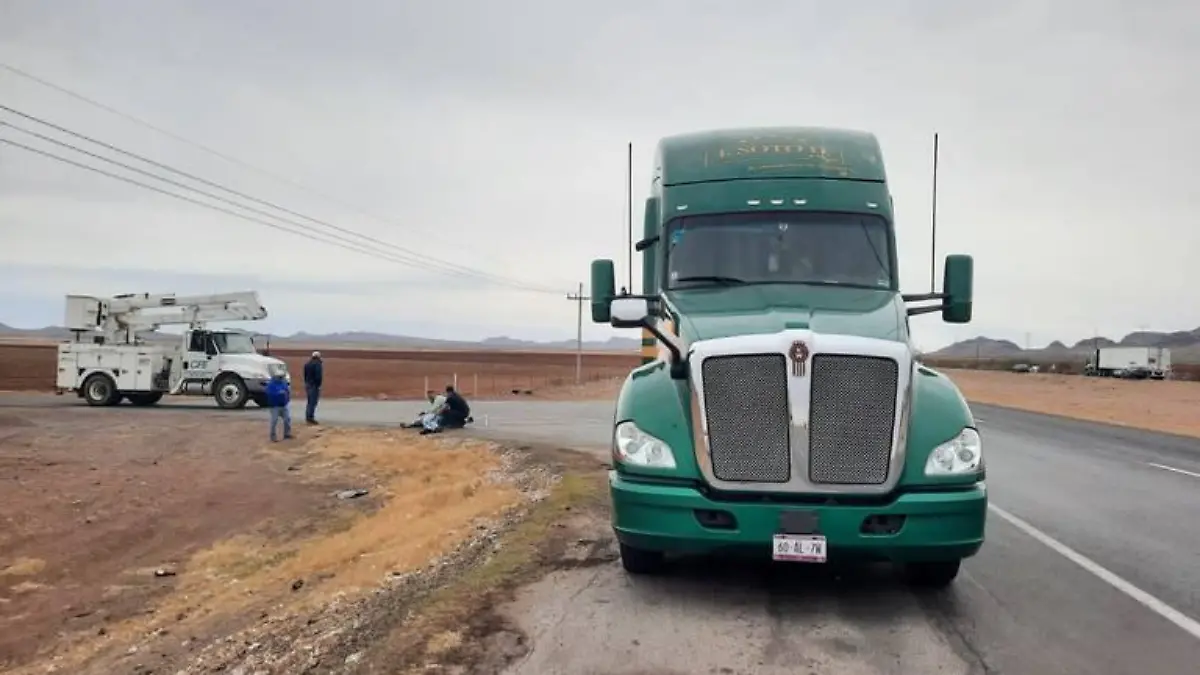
151, 540
1144, 404
386, 374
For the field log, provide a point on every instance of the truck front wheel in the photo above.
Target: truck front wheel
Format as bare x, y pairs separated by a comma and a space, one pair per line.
939, 574
99, 389
641, 561
230, 392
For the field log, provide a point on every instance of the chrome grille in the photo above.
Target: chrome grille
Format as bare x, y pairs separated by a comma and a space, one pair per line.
851, 419
746, 407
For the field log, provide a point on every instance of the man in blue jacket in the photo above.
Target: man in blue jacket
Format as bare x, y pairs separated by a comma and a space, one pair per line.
313, 372
279, 395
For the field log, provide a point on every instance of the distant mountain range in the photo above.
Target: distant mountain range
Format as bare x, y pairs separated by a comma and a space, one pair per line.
377, 340
1184, 345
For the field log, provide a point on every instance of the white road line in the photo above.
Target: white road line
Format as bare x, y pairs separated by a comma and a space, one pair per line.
1188, 624
1164, 467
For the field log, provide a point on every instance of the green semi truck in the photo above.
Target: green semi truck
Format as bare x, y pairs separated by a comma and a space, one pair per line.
780, 407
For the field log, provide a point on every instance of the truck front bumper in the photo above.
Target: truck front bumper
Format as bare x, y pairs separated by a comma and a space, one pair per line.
256, 385
919, 526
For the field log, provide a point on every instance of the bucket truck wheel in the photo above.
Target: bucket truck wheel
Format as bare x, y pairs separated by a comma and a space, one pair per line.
99, 389
145, 398
230, 392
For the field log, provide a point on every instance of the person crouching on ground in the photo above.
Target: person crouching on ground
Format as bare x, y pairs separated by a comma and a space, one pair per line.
455, 411
279, 397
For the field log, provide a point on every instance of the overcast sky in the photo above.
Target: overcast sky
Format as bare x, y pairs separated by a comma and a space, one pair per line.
493, 135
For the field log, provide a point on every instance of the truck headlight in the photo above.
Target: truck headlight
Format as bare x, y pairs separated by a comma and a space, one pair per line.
633, 446
960, 455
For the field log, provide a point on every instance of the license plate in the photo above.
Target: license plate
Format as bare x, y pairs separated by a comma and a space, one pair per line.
799, 548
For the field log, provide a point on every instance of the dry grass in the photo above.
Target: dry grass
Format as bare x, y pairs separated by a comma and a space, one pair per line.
24, 567
427, 497
1168, 406
434, 492
454, 624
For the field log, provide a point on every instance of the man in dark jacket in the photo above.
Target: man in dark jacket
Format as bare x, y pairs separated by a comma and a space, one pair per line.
455, 411
279, 396
313, 374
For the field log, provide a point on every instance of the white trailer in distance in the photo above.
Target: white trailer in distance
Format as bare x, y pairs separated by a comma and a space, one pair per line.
1130, 362
116, 354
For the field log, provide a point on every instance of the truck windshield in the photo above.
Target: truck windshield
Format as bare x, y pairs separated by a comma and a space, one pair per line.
779, 247
233, 343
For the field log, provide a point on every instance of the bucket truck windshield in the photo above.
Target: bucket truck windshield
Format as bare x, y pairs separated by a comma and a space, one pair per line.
233, 343
779, 248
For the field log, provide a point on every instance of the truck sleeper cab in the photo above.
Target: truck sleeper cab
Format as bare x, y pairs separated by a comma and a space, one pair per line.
780, 408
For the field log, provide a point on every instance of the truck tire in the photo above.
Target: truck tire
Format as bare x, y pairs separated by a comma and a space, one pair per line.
932, 575
260, 400
144, 398
641, 561
99, 389
230, 392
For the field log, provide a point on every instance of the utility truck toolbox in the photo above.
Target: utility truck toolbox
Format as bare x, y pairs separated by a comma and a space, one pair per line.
780, 410
117, 354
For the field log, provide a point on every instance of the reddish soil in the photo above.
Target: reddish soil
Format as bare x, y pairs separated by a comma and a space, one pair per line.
97, 500
384, 373
1142, 404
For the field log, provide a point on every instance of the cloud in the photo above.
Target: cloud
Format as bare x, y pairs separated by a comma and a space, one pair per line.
494, 135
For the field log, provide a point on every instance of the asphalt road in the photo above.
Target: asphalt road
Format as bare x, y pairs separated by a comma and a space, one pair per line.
1091, 566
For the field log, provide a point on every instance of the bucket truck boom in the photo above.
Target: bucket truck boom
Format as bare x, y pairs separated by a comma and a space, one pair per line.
126, 359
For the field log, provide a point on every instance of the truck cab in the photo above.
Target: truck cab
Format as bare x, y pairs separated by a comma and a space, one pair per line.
780, 409
209, 354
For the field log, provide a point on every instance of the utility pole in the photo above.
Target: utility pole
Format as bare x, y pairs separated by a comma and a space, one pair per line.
579, 299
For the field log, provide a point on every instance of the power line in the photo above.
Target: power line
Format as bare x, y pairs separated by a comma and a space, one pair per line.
409, 257
404, 251
348, 245
199, 146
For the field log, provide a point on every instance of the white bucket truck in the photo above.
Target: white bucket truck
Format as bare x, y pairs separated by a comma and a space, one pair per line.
117, 355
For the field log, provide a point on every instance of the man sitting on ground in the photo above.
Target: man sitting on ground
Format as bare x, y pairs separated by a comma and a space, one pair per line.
428, 419
454, 413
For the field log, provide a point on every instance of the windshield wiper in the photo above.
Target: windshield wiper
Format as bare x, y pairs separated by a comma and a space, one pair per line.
727, 281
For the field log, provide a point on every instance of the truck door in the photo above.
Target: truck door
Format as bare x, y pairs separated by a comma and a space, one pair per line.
200, 362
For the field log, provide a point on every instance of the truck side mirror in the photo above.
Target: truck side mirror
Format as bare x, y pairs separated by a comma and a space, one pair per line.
958, 286
603, 289
629, 312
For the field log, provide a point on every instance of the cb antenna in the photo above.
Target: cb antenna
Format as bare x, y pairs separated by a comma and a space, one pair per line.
933, 223
629, 207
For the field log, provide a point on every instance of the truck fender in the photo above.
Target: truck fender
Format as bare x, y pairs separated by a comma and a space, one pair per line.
937, 413
661, 407
85, 373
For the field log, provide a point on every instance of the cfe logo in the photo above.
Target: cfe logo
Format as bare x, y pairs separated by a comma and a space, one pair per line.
799, 356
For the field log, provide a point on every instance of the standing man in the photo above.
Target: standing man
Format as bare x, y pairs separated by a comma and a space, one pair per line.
313, 372
279, 396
